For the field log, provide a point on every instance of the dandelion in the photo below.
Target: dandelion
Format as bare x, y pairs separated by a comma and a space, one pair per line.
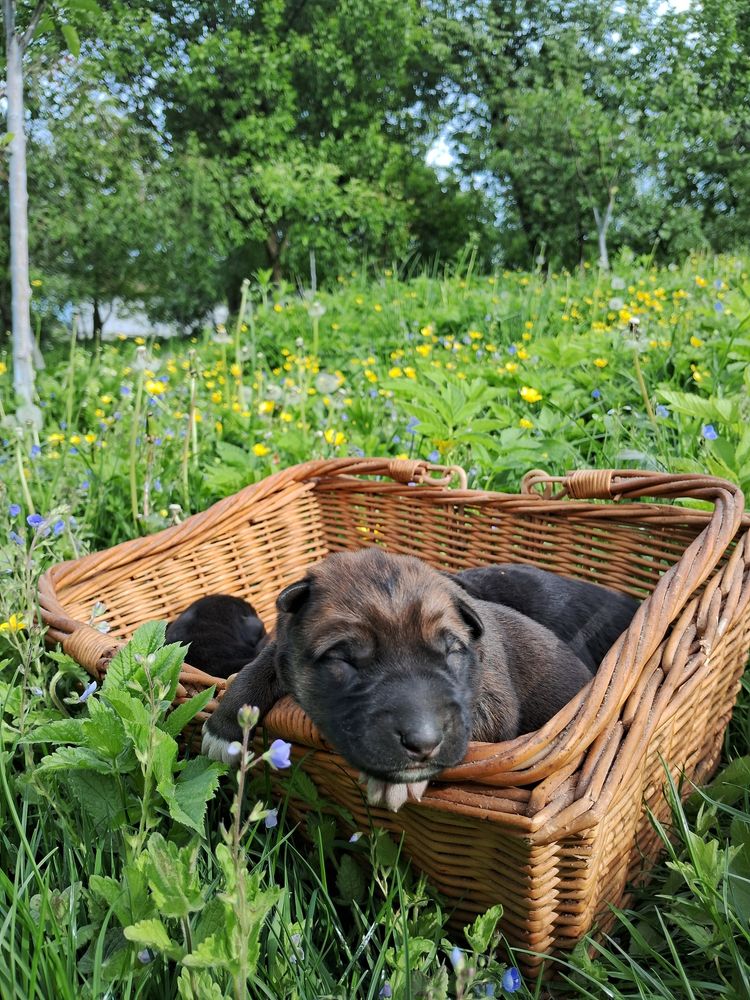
511, 980
14, 624
278, 754
708, 431
529, 395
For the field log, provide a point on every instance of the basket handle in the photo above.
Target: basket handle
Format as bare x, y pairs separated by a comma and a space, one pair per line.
629, 484
400, 470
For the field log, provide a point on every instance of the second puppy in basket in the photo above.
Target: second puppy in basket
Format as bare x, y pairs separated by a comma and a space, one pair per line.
399, 666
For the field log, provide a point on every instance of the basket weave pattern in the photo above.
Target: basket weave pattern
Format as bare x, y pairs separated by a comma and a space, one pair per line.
551, 824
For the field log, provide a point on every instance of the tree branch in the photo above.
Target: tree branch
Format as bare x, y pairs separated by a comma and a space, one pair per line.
29, 33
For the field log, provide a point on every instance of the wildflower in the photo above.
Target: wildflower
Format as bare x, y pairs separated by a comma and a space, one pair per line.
15, 537
377, 307
700, 282
286, 417
386, 990
234, 751
278, 754
14, 510
58, 527
3, 368
86, 694
525, 423
36, 451
489, 989
708, 431
334, 437
248, 716
13, 624
56, 438
434, 456
260, 450
395, 372
90, 438
596, 394
271, 819
266, 406
601, 362
696, 341
35, 521
530, 395
411, 426
145, 956
154, 387
36, 283
511, 980
719, 306
355, 837
457, 959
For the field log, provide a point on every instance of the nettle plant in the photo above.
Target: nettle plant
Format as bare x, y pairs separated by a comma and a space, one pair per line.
116, 776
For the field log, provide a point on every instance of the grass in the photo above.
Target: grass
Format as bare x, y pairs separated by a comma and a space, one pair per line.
644, 368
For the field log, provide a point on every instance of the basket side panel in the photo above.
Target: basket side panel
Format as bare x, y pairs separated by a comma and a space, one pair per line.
254, 559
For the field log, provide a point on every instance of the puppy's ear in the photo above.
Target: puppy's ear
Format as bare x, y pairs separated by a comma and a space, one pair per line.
471, 618
463, 584
294, 596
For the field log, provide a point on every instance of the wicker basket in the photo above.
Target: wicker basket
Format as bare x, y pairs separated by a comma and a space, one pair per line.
553, 824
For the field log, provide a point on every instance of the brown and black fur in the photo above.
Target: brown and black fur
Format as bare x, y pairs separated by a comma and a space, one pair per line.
400, 667
224, 634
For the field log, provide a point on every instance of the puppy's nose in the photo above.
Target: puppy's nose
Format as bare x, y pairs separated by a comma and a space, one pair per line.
421, 740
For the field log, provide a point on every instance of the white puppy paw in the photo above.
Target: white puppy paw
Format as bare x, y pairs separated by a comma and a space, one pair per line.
215, 747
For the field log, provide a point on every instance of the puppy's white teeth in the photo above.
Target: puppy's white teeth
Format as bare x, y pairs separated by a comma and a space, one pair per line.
395, 796
417, 790
362, 778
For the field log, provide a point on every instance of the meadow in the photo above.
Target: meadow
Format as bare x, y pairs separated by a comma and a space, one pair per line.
125, 872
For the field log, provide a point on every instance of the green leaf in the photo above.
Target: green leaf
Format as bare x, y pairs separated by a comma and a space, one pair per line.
176, 721
124, 668
61, 731
74, 759
173, 877
350, 880
195, 786
300, 785
480, 933
99, 797
153, 934
193, 985
731, 785
134, 717
104, 729
71, 38
129, 898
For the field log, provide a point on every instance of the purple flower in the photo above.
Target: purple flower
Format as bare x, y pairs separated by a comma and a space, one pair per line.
373, 393
84, 485
709, 432
124, 390
386, 991
72, 450
15, 537
272, 819
58, 527
88, 691
662, 410
511, 980
396, 439
234, 751
14, 510
36, 451
35, 520
489, 989
596, 394
512, 349
434, 456
355, 837
145, 956
457, 958
412, 425
278, 754
719, 306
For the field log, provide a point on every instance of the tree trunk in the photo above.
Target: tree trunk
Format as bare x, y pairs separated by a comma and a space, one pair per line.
275, 250
23, 364
96, 324
602, 225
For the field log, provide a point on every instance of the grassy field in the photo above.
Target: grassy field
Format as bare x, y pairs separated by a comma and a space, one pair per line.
125, 872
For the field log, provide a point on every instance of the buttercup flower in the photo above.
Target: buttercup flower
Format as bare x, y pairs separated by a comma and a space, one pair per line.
530, 395
13, 624
260, 450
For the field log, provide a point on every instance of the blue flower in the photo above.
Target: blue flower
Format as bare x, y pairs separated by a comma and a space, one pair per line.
36, 451
386, 991
373, 393
15, 537
457, 958
718, 284
412, 425
35, 520
596, 394
14, 510
88, 691
278, 754
58, 527
145, 956
511, 980
512, 349
396, 439
662, 410
709, 432
272, 819
84, 485
434, 456
124, 390
72, 450
355, 837
234, 751
719, 306
489, 989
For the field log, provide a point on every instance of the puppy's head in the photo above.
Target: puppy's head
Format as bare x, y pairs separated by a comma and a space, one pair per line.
382, 653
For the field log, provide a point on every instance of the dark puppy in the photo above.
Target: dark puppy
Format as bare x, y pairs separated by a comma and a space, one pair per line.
589, 618
400, 667
224, 634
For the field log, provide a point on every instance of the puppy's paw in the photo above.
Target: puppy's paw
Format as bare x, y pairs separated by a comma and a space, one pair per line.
216, 747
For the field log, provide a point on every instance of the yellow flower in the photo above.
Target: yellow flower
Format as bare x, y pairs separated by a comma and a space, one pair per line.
528, 325
625, 315
266, 406
140, 341
219, 426
36, 283
335, 326
427, 331
216, 397
359, 300
90, 438
394, 373
525, 423
56, 438
75, 439
334, 437
522, 354
3, 368
700, 282
402, 456
410, 373
105, 399
260, 450
601, 362
277, 307
377, 307
154, 388
236, 407
696, 341
235, 370
526, 336
475, 334
286, 417
423, 349
510, 366
13, 624
530, 395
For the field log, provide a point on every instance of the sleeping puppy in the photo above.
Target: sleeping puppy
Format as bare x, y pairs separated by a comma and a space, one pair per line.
399, 667
224, 633
586, 616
